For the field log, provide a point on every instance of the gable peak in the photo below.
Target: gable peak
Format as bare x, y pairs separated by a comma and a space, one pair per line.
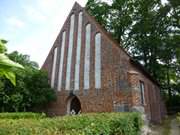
76, 5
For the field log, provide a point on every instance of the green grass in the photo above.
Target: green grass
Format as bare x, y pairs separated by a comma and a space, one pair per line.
85, 124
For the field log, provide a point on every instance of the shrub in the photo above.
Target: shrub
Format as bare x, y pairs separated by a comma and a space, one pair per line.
85, 124
32, 90
22, 115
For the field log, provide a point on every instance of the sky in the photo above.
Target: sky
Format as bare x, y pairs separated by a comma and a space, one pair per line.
31, 26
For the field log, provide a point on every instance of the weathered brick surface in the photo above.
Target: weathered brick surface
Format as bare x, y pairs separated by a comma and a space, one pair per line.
120, 78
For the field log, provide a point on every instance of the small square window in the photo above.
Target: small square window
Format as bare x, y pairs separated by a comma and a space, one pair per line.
121, 108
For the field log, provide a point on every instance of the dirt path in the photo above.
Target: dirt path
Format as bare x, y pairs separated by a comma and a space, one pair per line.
175, 127
169, 127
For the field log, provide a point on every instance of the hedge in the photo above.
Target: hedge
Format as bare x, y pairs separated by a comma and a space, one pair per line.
85, 124
22, 115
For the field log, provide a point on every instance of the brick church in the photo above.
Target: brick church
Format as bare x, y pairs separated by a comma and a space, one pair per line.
91, 72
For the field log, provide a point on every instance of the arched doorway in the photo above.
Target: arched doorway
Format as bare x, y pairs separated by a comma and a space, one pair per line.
73, 105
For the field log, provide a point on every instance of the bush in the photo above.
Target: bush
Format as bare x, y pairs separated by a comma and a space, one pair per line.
86, 124
22, 115
32, 90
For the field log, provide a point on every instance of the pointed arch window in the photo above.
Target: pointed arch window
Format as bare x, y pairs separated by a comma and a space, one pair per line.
142, 89
61, 61
53, 67
87, 57
70, 49
78, 53
98, 60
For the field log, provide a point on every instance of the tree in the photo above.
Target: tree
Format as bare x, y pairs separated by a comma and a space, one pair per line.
32, 90
116, 18
6, 65
23, 60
